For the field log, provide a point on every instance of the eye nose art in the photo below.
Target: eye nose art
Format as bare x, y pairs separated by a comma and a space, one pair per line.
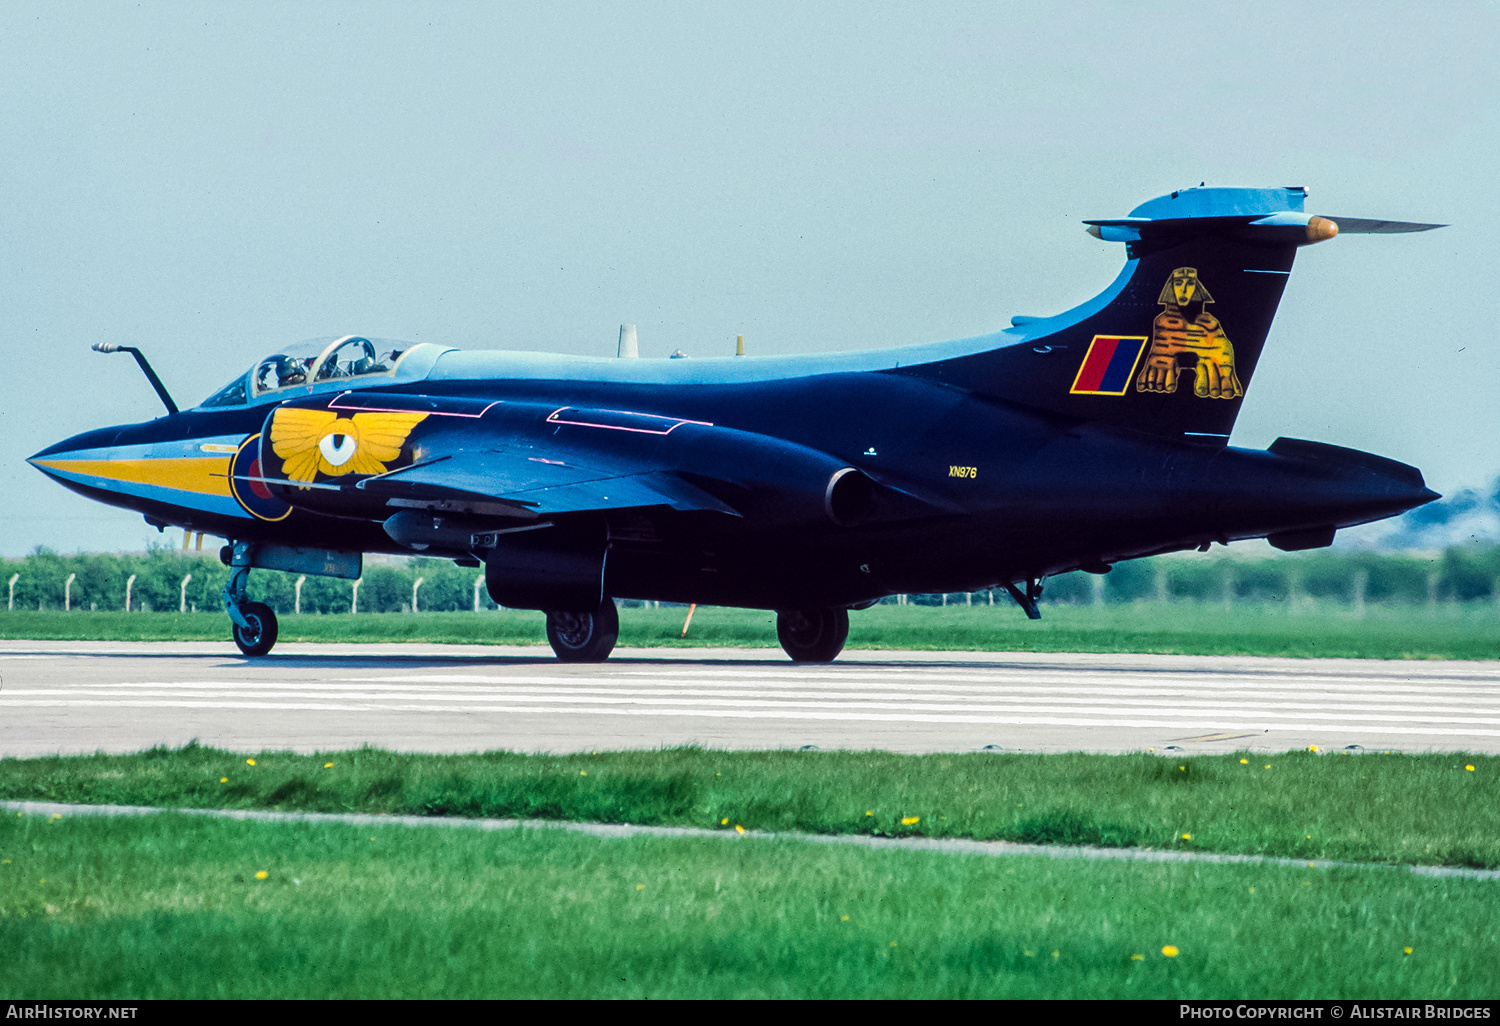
337, 449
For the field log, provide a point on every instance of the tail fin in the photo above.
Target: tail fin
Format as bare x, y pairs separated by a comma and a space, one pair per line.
1172, 345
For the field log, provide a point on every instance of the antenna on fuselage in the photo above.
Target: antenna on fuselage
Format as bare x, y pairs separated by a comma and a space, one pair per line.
161, 390
629, 347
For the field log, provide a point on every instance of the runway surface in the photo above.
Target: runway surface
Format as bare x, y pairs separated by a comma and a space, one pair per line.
68, 697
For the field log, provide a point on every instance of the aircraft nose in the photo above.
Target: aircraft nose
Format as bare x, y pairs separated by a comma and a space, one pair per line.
134, 466
98, 440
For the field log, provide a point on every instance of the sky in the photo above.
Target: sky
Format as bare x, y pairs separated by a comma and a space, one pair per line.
212, 181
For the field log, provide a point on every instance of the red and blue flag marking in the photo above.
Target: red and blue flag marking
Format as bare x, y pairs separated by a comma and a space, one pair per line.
1108, 365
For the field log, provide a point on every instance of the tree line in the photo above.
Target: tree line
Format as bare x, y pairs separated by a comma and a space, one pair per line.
155, 581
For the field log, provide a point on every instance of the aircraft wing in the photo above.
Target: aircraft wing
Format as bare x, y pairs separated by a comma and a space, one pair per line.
538, 486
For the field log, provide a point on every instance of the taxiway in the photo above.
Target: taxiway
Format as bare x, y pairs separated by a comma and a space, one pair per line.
71, 697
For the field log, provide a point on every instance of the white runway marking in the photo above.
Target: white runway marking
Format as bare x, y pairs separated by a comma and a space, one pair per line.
72, 697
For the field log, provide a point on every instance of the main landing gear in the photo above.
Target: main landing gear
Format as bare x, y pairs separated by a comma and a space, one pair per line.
584, 637
252, 623
812, 635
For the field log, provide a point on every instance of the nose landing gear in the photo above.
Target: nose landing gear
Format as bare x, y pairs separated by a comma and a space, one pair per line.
253, 624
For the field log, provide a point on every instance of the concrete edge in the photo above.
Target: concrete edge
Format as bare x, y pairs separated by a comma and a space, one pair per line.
950, 846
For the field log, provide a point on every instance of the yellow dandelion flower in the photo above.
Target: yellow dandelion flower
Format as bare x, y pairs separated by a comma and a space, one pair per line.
893, 944
1406, 951
249, 762
1170, 950
1252, 890
1306, 883
1137, 958
57, 815
328, 765
1056, 954
223, 780
1182, 767
1268, 765
1309, 837
739, 829
724, 821
1244, 762
909, 820
1312, 748
640, 887
869, 812
1151, 749
583, 773
1187, 837
261, 874
843, 919
1469, 768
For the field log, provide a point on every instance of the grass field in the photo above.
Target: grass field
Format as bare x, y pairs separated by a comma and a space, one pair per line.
171, 907
1469, 631
1396, 808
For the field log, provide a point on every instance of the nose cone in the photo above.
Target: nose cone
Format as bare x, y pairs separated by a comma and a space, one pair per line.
175, 479
91, 447
88, 463
99, 438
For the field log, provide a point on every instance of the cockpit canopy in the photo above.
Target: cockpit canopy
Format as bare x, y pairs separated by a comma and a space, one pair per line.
328, 363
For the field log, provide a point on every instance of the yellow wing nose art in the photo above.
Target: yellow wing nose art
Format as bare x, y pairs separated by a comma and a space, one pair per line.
320, 442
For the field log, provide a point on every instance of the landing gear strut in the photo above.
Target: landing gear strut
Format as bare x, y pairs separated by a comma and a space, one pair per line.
1027, 600
253, 624
812, 635
584, 637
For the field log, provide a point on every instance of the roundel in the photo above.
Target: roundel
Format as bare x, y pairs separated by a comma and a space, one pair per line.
248, 488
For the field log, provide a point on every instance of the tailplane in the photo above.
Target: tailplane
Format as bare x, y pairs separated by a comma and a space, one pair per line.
1172, 345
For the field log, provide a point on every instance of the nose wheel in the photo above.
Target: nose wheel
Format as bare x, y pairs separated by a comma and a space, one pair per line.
812, 635
584, 637
258, 634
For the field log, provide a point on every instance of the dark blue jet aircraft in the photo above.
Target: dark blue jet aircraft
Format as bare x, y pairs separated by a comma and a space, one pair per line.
811, 485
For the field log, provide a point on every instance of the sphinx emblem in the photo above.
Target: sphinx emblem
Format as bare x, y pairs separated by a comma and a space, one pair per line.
1179, 331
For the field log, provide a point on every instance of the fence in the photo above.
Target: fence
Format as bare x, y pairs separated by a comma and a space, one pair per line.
156, 583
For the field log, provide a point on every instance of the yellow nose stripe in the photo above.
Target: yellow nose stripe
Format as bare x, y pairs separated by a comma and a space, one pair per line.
202, 474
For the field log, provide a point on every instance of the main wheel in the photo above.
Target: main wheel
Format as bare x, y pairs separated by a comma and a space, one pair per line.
812, 635
256, 639
584, 637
